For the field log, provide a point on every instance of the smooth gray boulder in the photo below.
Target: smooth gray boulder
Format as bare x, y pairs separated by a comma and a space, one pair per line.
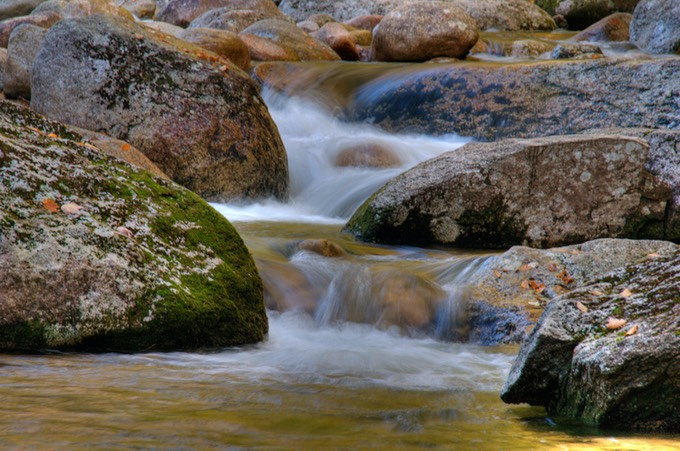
541, 192
655, 27
97, 255
201, 121
609, 352
21, 50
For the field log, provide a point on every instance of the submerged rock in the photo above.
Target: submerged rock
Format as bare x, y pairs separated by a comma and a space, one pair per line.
422, 31
543, 192
204, 124
523, 100
97, 255
607, 353
655, 27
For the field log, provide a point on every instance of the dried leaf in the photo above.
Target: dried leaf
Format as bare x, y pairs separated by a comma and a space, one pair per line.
565, 277
596, 293
497, 273
71, 209
537, 286
559, 289
581, 307
626, 293
33, 129
552, 267
654, 255
50, 205
528, 266
615, 323
632, 331
53, 135
125, 231
525, 284
534, 303
126, 147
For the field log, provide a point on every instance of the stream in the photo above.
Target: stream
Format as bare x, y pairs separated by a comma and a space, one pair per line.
339, 369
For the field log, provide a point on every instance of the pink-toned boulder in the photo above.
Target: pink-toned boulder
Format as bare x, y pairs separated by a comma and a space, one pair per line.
183, 12
368, 22
339, 39
610, 29
288, 35
263, 49
45, 20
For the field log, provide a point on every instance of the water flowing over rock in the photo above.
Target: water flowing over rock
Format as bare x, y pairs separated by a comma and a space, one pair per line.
543, 192
97, 255
203, 124
540, 99
655, 27
583, 13
608, 353
183, 12
509, 15
422, 31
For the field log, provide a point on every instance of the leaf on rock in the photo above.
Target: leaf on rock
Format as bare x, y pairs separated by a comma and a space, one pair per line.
528, 266
53, 135
626, 293
71, 209
125, 232
565, 277
552, 267
615, 323
537, 286
581, 307
596, 293
497, 273
654, 255
525, 284
126, 147
50, 205
632, 331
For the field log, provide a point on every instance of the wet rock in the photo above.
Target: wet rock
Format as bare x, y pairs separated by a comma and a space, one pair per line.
527, 48
655, 27
607, 353
523, 100
543, 192
324, 248
369, 154
580, 14
224, 43
45, 20
422, 31
339, 39
612, 28
263, 49
164, 27
361, 37
287, 35
287, 288
16, 8
74, 9
566, 51
21, 50
203, 124
97, 255
367, 22
560, 21
232, 20
183, 12
505, 297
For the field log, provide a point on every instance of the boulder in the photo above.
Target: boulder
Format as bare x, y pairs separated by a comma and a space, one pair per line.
612, 28
308, 26
21, 50
96, 255
607, 353
522, 100
141, 9
224, 43
368, 22
542, 192
45, 20
367, 154
263, 49
3, 67
505, 295
82, 8
15, 8
422, 31
164, 27
339, 39
655, 27
579, 50
203, 124
511, 15
581, 14
183, 12
287, 35
232, 20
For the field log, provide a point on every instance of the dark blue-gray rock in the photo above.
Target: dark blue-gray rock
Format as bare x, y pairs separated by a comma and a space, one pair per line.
203, 123
541, 192
609, 352
655, 27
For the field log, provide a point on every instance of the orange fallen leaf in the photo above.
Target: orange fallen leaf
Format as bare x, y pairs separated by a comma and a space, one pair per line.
537, 286
71, 209
615, 323
33, 129
126, 147
632, 331
497, 273
653, 255
534, 303
50, 205
559, 289
565, 277
626, 293
525, 284
581, 307
528, 266
552, 267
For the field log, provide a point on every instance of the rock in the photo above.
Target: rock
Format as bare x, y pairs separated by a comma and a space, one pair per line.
526, 48
507, 293
15, 8
324, 248
183, 12
231, 20
82, 8
511, 15
41, 20
287, 288
3, 67
422, 31
655, 27
142, 9
367, 22
612, 28
368, 154
164, 27
581, 14
339, 39
308, 26
547, 5
100, 256
224, 43
361, 37
560, 21
626, 377
287, 35
543, 192
203, 124
566, 50
263, 49
21, 50
491, 103
321, 19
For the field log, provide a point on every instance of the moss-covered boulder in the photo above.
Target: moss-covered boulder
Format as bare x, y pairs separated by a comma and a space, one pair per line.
97, 255
608, 353
197, 116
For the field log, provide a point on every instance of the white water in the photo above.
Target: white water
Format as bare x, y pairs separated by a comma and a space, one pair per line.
321, 192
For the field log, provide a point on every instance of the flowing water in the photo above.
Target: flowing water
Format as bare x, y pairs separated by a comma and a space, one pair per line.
341, 368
